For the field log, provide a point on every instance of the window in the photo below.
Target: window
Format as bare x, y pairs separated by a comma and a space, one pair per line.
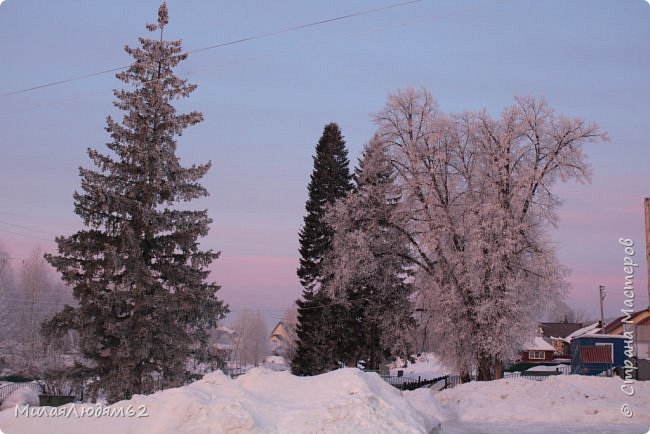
536, 355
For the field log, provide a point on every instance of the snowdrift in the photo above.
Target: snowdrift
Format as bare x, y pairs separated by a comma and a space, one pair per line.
262, 401
351, 401
561, 399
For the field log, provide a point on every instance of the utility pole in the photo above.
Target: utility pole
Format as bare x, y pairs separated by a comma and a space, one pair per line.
602, 315
646, 206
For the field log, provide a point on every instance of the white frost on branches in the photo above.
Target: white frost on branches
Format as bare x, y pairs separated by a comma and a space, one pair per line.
476, 205
367, 268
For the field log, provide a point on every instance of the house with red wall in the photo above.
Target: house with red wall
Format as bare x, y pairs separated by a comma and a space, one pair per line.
537, 351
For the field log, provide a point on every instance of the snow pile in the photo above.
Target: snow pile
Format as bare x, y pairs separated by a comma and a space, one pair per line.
562, 399
261, 401
351, 401
21, 396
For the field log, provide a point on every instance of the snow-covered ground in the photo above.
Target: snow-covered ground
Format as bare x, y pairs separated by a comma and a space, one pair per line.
564, 403
351, 401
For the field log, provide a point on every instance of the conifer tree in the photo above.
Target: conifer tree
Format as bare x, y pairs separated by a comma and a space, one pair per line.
137, 270
318, 328
369, 262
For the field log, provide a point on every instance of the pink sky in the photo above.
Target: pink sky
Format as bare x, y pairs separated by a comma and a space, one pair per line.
266, 101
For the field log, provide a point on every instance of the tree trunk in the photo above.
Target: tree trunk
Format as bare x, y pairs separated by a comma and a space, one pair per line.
484, 368
498, 368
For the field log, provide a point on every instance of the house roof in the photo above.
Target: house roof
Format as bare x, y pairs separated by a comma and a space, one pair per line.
538, 344
282, 328
600, 336
546, 368
634, 317
592, 328
278, 329
559, 329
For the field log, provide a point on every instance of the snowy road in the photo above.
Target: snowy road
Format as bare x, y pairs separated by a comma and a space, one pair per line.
540, 428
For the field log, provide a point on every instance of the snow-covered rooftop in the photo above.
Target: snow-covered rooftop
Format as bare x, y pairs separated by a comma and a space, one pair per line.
592, 328
601, 336
539, 344
547, 368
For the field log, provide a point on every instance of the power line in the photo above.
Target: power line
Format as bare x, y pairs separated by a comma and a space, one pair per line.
223, 44
12, 258
25, 227
161, 298
27, 235
303, 26
217, 67
49, 103
67, 80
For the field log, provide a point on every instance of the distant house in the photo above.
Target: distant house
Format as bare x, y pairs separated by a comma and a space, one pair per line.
538, 351
639, 324
550, 345
223, 340
556, 332
281, 338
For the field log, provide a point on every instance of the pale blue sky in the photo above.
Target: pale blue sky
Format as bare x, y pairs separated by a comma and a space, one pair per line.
266, 102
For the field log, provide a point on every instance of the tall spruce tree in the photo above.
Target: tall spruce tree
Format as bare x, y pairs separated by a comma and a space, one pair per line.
137, 270
319, 326
369, 264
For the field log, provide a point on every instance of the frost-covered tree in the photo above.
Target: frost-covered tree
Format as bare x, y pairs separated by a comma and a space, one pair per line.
251, 344
28, 298
39, 300
319, 321
478, 202
137, 270
369, 265
7, 298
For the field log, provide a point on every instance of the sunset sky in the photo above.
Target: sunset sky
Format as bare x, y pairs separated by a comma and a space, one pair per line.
267, 99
